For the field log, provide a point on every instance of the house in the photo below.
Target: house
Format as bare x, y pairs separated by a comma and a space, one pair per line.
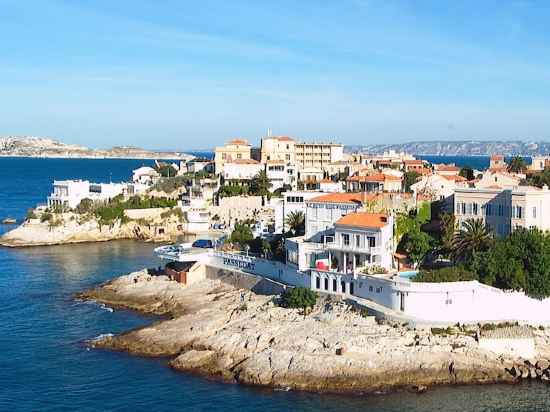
415, 165
496, 162
437, 186
539, 163
197, 165
240, 171
498, 178
504, 209
310, 177
446, 169
235, 149
292, 201
377, 182
278, 148
69, 193
330, 186
361, 240
281, 174
145, 175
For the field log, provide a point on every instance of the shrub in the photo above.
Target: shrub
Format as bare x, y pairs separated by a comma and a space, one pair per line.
85, 206
31, 214
46, 217
299, 297
449, 274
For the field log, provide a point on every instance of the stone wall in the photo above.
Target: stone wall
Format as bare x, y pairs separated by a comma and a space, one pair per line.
256, 284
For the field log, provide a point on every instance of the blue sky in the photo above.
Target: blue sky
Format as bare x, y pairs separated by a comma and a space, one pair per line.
191, 74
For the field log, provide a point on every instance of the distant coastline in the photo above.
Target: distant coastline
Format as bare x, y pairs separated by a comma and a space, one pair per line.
40, 147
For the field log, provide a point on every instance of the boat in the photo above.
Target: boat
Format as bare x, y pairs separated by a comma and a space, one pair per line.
9, 221
188, 252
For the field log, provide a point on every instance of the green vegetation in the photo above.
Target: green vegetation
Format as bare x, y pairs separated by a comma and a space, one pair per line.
467, 173
448, 274
299, 297
442, 331
242, 234
260, 184
417, 244
474, 237
31, 214
46, 217
410, 178
166, 170
517, 165
296, 222
113, 210
169, 184
539, 179
232, 190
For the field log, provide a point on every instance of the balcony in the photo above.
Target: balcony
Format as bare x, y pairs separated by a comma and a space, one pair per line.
352, 248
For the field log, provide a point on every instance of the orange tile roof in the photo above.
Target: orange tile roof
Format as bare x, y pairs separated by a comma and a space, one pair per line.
362, 219
497, 157
282, 138
413, 162
239, 141
377, 177
244, 161
341, 198
456, 178
446, 168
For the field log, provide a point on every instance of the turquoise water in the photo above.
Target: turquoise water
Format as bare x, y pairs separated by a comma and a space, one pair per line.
46, 366
408, 274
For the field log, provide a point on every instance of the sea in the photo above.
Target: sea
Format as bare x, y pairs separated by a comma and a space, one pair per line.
46, 364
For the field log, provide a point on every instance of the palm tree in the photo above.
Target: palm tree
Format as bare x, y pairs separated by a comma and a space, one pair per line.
297, 222
517, 165
474, 236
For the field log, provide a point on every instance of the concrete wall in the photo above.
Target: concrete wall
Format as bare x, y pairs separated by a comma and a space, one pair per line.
239, 279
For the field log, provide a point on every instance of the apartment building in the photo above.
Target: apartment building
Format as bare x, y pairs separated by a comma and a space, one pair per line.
239, 171
278, 148
281, 173
539, 163
376, 182
504, 210
318, 154
235, 149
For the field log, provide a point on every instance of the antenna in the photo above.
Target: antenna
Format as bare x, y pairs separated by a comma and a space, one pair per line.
269, 132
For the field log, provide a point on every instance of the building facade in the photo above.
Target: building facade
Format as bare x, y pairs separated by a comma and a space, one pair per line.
235, 149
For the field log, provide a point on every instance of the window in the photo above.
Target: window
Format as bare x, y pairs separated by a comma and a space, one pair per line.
372, 241
463, 208
371, 289
488, 209
357, 240
534, 212
239, 156
500, 210
469, 208
345, 239
326, 284
517, 212
334, 283
475, 208
317, 282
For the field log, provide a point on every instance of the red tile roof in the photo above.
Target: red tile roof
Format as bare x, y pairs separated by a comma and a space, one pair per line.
244, 161
377, 177
239, 141
282, 138
365, 220
342, 198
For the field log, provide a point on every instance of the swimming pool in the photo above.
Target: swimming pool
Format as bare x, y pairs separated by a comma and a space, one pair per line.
408, 274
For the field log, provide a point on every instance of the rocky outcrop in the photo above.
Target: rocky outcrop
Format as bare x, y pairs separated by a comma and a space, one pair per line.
72, 228
218, 330
28, 146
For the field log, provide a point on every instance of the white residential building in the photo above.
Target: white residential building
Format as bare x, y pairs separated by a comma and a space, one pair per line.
504, 210
331, 186
69, 193
281, 173
145, 175
241, 170
437, 186
292, 201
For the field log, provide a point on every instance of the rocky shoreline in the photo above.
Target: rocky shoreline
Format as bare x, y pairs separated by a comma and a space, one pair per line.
233, 334
71, 230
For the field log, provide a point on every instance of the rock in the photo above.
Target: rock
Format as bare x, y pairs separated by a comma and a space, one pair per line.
420, 388
272, 346
543, 364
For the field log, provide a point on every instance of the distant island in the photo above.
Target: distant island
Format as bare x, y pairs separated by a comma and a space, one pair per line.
459, 148
25, 146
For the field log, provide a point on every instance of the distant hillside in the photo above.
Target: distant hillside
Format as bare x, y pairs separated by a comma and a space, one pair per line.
45, 147
459, 148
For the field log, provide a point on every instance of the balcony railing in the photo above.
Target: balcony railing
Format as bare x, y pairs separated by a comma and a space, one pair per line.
372, 250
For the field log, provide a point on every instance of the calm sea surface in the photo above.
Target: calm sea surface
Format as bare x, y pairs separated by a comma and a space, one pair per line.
44, 362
